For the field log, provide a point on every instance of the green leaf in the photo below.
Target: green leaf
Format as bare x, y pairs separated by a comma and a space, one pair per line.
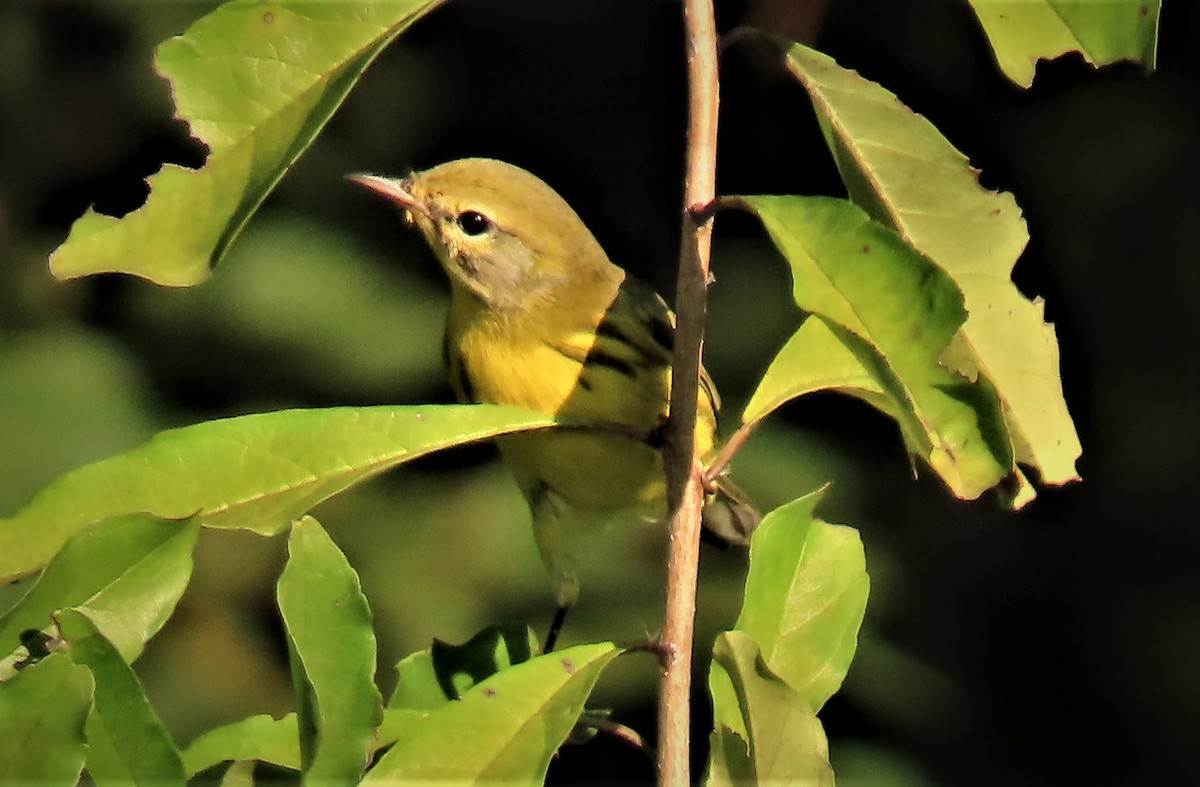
729, 761
905, 174
504, 729
1022, 32
332, 653
132, 609
238, 774
417, 684
806, 593
257, 472
784, 741
277, 741
136, 747
896, 312
459, 667
43, 711
256, 82
258, 738
135, 566
398, 723
814, 359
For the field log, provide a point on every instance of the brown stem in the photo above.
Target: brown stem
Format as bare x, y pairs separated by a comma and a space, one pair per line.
684, 473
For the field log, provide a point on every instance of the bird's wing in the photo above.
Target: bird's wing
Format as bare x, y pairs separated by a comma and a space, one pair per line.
639, 327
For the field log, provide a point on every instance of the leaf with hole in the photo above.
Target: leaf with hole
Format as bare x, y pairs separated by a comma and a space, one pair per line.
900, 169
1022, 32
256, 83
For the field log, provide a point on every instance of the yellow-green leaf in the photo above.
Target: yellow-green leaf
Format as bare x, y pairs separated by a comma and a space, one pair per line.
504, 729
895, 312
904, 173
1022, 32
806, 594
784, 740
812, 360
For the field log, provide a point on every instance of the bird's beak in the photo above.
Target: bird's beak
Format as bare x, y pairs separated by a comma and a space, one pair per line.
396, 190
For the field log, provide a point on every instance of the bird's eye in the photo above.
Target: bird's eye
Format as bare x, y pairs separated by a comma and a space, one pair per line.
473, 223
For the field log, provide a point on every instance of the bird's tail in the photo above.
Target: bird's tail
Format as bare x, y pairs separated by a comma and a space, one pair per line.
729, 514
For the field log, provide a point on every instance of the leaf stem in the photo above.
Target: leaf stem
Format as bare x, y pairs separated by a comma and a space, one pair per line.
684, 473
727, 452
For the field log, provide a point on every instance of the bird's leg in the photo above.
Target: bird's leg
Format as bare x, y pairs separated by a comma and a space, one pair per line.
550, 521
560, 615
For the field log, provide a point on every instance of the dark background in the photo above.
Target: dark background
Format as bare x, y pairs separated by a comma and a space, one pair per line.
1053, 646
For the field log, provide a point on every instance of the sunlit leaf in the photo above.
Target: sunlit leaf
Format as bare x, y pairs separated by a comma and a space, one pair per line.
137, 748
1022, 32
806, 593
895, 312
398, 723
417, 684
505, 729
133, 568
256, 82
257, 472
131, 610
332, 650
813, 360
904, 173
785, 742
43, 710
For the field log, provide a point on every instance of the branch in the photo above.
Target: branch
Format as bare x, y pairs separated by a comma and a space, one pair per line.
685, 489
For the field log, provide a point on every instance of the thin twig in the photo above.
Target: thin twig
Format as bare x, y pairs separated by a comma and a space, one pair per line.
684, 481
623, 733
727, 452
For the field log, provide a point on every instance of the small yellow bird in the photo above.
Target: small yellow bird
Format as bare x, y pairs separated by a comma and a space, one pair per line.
540, 318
